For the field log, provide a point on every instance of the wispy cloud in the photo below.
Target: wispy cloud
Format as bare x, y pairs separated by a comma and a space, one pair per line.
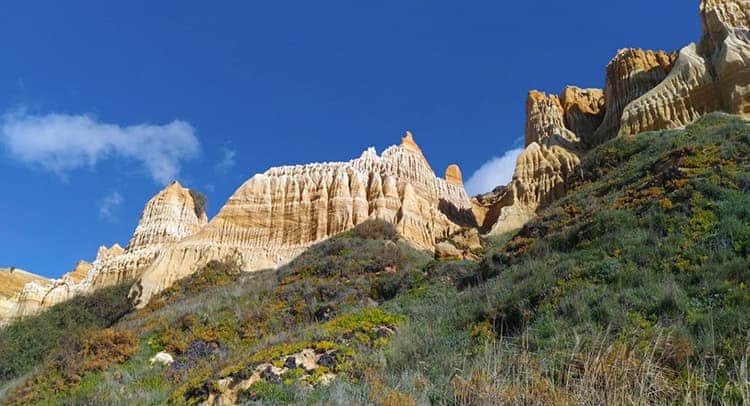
108, 204
493, 173
61, 143
227, 160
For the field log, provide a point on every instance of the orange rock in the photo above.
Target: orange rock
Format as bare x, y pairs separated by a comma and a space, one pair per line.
630, 75
453, 175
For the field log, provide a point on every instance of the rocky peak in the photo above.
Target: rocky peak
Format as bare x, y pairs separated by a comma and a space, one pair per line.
453, 175
170, 216
545, 119
408, 142
105, 253
79, 273
276, 215
710, 76
644, 90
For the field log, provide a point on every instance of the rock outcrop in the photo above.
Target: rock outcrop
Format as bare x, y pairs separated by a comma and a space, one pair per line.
630, 75
12, 283
583, 110
644, 90
173, 214
453, 175
276, 215
709, 76
551, 154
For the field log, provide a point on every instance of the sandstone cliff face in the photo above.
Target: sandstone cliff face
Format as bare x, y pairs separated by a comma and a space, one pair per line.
644, 90
12, 282
710, 76
551, 154
276, 215
726, 44
686, 93
584, 110
630, 74
171, 215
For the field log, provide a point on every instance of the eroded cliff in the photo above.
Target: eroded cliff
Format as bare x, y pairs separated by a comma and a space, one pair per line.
173, 214
276, 215
644, 90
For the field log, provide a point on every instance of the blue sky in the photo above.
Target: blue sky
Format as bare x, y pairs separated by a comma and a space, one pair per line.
103, 102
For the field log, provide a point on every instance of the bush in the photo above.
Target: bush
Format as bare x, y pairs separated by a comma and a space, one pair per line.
25, 343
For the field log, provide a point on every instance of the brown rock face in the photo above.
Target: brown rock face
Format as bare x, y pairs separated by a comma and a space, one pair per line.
545, 119
583, 110
726, 44
276, 215
687, 93
630, 74
552, 152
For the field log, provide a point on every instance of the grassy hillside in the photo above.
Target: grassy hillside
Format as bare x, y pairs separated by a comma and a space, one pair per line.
631, 289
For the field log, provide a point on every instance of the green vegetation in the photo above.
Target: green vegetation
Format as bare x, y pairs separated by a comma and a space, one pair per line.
25, 343
631, 289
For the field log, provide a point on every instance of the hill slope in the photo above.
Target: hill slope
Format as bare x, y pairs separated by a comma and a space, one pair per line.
631, 288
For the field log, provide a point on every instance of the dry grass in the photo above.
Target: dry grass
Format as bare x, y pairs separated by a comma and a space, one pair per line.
610, 374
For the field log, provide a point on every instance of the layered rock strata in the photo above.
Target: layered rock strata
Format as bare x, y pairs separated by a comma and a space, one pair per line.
276, 215
173, 214
630, 75
709, 76
551, 154
12, 283
644, 90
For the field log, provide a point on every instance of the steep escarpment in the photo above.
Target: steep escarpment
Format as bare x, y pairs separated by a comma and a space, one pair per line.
276, 215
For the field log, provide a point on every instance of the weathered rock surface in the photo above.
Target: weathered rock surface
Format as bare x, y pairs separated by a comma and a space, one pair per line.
687, 93
12, 282
644, 90
173, 214
630, 74
552, 152
226, 391
276, 215
467, 238
583, 110
453, 175
709, 76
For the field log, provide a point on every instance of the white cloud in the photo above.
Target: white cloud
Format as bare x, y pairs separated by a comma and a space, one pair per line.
61, 143
108, 204
494, 173
227, 162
